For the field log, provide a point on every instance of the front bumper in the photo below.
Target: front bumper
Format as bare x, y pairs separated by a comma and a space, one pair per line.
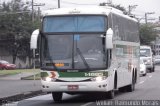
82, 86
142, 72
148, 66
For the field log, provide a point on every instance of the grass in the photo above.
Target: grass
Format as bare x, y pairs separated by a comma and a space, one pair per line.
17, 71
36, 77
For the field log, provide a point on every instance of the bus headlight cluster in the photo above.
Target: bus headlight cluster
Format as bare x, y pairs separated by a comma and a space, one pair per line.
147, 61
99, 78
49, 79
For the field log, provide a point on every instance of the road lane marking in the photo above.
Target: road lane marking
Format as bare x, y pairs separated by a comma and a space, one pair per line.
141, 82
89, 103
150, 76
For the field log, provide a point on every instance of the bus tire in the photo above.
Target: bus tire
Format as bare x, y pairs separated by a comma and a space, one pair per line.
110, 94
150, 70
57, 96
153, 69
131, 87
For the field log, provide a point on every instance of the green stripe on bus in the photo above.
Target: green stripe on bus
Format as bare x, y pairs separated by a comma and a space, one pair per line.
82, 74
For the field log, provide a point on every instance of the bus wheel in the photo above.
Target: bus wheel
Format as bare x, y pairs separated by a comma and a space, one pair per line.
57, 96
150, 70
110, 94
131, 87
153, 69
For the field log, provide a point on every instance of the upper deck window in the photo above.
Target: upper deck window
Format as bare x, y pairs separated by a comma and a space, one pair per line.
74, 24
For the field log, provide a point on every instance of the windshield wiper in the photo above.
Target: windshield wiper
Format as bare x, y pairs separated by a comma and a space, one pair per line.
83, 59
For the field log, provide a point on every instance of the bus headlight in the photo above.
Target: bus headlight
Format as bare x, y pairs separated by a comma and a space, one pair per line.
99, 78
147, 61
49, 79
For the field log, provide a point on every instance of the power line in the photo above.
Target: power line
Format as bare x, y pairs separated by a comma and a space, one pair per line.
67, 2
130, 8
146, 16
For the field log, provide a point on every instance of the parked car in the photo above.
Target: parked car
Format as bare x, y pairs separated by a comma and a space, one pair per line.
157, 59
6, 65
143, 68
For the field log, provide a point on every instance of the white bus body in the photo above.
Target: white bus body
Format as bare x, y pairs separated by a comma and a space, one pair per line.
67, 63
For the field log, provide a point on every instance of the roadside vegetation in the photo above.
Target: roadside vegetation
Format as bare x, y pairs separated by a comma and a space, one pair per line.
16, 27
17, 71
32, 77
147, 34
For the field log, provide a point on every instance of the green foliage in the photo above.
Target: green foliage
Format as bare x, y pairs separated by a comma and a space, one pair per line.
147, 34
119, 7
17, 71
16, 27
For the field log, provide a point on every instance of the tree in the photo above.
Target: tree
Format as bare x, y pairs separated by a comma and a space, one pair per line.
16, 27
147, 34
119, 7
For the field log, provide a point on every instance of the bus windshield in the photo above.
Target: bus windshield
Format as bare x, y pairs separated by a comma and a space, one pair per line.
79, 51
145, 52
74, 24
73, 42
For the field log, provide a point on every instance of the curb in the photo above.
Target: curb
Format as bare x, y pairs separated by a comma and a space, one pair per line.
5, 75
21, 96
25, 78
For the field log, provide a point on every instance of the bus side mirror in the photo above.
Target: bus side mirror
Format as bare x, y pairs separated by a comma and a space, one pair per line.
34, 39
109, 39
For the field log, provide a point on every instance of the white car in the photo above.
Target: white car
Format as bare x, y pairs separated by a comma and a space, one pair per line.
157, 59
143, 68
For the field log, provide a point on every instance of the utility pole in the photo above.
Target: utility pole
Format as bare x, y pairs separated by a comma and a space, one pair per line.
40, 4
58, 3
39, 13
32, 12
130, 8
146, 16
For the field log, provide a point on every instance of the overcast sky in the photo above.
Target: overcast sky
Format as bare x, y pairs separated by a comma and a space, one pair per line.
143, 5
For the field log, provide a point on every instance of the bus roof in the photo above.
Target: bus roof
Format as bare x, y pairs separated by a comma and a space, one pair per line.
97, 10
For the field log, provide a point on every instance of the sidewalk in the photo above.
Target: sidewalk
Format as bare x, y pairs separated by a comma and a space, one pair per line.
11, 87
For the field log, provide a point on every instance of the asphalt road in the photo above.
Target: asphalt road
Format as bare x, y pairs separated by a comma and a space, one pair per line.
12, 87
148, 88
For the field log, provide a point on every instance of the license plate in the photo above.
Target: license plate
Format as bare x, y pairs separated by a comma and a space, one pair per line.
73, 87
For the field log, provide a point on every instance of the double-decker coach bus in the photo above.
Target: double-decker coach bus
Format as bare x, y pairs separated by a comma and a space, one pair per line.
88, 49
